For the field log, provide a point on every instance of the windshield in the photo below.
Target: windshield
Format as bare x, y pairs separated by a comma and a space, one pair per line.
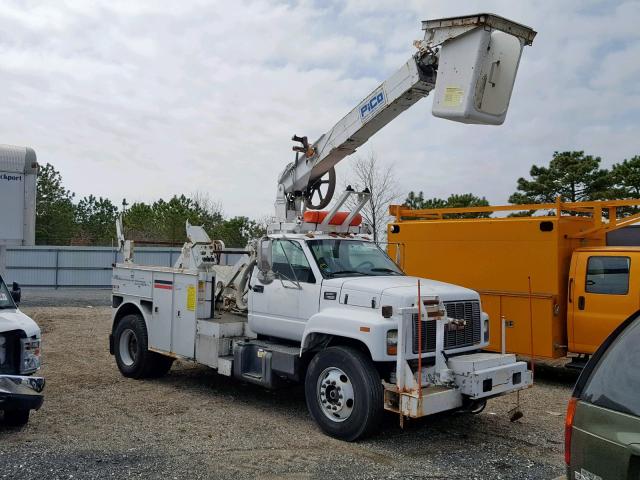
344, 258
5, 297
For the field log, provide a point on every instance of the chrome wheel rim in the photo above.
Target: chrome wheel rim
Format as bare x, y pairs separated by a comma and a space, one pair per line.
128, 347
335, 394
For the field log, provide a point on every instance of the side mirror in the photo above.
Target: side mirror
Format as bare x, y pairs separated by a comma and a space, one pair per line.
16, 292
264, 261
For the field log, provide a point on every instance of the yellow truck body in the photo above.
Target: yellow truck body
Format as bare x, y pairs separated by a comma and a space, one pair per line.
544, 275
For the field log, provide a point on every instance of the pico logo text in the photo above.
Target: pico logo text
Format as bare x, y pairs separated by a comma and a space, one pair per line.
372, 104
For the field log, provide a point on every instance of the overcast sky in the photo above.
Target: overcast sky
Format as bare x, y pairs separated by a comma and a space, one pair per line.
147, 99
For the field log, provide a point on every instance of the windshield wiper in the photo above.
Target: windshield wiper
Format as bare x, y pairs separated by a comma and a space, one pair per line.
346, 271
387, 270
6, 306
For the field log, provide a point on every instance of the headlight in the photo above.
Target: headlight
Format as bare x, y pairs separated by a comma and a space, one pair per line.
30, 355
486, 329
392, 342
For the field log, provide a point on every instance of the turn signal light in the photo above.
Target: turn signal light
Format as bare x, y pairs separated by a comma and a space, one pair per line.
392, 342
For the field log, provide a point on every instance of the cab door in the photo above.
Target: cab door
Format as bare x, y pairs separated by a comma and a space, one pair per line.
603, 292
281, 307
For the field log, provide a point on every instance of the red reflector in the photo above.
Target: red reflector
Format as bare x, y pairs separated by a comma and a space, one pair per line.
568, 427
317, 216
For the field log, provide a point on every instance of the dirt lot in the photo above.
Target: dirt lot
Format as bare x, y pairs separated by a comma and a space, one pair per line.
195, 424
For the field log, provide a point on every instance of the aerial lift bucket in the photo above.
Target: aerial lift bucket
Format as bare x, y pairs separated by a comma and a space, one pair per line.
477, 65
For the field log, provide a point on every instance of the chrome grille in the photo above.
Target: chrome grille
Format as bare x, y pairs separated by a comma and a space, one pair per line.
9, 351
462, 337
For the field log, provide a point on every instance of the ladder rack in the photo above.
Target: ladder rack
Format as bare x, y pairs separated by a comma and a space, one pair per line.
604, 213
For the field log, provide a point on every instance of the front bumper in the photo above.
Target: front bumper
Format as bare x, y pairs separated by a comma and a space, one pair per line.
486, 375
475, 376
19, 392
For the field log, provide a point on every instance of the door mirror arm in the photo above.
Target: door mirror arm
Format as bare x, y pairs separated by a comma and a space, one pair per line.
16, 292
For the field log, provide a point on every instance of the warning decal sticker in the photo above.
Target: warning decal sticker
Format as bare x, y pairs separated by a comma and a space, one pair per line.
191, 298
453, 96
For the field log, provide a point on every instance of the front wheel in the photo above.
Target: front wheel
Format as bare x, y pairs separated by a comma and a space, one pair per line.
344, 393
16, 418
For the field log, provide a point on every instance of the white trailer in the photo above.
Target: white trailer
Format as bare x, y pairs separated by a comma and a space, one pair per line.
316, 301
18, 174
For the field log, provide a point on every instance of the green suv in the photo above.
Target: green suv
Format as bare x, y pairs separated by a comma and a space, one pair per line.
602, 429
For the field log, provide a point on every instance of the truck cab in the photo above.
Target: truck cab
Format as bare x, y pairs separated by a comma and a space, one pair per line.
328, 285
20, 392
604, 289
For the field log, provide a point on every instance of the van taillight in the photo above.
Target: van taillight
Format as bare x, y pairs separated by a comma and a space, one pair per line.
568, 427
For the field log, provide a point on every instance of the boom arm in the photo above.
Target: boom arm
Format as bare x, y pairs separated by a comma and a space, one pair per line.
409, 84
413, 81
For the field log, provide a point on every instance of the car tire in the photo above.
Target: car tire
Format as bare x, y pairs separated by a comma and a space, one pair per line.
344, 393
133, 357
16, 418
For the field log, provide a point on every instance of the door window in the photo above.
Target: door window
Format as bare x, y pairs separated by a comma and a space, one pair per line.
608, 275
615, 382
290, 262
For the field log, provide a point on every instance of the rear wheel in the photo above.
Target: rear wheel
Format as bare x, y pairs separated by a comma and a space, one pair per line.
131, 350
344, 393
16, 418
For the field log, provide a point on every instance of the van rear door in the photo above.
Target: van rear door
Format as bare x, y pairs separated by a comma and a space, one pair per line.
603, 290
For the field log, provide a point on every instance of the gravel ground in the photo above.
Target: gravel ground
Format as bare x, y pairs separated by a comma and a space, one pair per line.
65, 297
195, 424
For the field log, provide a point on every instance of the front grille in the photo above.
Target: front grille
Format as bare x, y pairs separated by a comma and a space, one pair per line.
9, 352
462, 337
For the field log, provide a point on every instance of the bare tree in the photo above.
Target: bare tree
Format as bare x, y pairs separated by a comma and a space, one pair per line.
369, 173
207, 205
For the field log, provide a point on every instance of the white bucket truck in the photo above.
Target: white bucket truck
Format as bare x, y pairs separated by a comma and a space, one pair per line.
316, 301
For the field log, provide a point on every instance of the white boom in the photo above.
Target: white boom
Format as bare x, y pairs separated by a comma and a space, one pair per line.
477, 55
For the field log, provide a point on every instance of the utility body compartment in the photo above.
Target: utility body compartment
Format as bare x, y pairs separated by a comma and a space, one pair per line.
181, 322
178, 309
503, 259
551, 279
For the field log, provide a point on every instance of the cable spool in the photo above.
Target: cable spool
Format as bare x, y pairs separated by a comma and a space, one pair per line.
315, 190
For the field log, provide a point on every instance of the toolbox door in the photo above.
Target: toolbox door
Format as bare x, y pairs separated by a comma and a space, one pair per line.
604, 292
185, 302
160, 326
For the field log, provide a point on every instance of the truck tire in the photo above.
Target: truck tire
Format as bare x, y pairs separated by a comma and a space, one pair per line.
160, 366
344, 393
133, 357
16, 418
